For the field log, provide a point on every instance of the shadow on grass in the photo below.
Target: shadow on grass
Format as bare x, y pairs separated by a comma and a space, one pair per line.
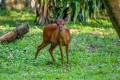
106, 24
12, 18
14, 23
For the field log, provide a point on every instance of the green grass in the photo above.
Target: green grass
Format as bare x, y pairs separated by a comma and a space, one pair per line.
94, 52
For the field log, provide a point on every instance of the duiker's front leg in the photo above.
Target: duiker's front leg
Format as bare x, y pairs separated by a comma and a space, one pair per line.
67, 53
52, 47
61, 52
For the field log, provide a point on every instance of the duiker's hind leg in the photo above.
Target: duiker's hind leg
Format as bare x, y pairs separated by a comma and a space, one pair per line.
42, 45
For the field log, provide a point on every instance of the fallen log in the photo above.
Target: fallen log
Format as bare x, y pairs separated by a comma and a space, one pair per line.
16, 33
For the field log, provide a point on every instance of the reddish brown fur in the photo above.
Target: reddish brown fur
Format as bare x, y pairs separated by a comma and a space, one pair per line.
52, 35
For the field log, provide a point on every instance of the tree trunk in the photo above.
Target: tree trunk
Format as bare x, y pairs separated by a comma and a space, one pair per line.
45, 13
2, 4
15, 34
113, 9
41, 12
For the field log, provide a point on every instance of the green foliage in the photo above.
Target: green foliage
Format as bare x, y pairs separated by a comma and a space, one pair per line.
94, 53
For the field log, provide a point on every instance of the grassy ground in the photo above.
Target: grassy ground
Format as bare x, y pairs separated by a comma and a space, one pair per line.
94, 52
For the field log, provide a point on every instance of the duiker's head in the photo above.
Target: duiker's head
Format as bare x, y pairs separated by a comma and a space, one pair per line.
60, 23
